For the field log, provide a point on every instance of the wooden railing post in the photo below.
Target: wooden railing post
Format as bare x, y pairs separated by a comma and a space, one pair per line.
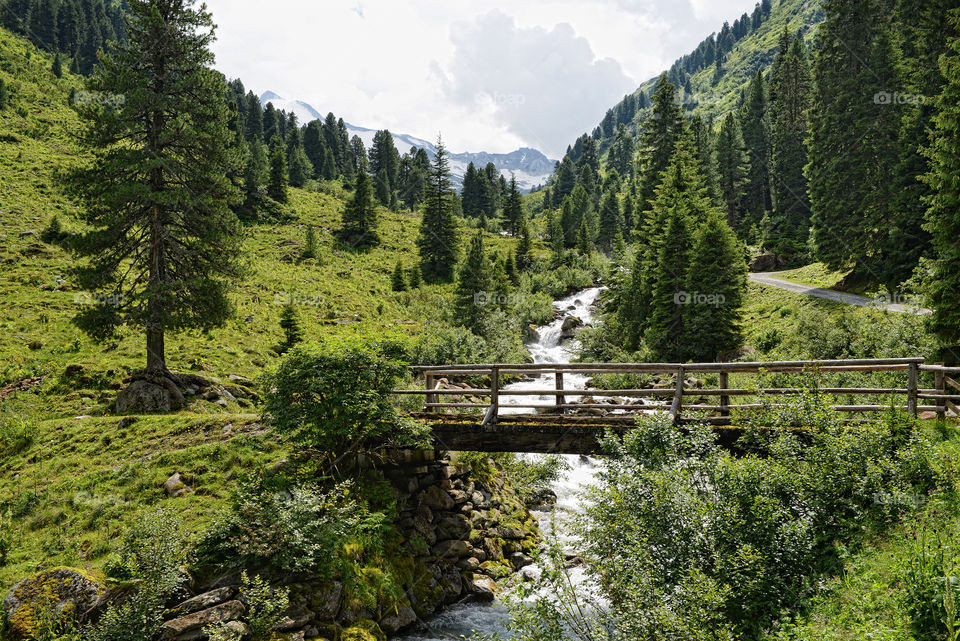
560, 400
493, 410
677, 406
912, 389
724, 400
431, 398
941, 385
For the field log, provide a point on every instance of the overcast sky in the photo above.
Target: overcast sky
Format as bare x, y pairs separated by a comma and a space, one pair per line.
490, 75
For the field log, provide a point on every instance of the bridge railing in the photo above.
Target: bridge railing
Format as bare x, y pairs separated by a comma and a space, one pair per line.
443, 399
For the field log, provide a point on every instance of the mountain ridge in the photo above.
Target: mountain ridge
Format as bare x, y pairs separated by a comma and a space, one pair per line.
531, 167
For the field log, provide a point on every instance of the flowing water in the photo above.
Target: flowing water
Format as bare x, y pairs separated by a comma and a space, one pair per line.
463, 620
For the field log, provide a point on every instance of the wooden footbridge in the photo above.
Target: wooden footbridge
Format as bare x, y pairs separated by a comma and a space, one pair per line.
482, 408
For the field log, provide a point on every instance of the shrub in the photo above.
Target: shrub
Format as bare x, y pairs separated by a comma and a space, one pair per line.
298, 531
16, 434
153, 552
335, 396
448, 346
265, 608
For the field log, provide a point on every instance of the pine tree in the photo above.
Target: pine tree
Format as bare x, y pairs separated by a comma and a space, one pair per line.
473, 286
301, 168
398, 282
381, 189
255, 176
733, 167
310, 244
155, 197
584, 238
524, 253
661, 131
611, 222
717, 275
279, 176
415, 278
755, 126
253, 126
664, 330
790, 92
853, 137
470, 195
703, 140
438, 242
557, 241
513, 208
566, 179
510, 269
290, 324
384, 158
943, 214
57, 66
315, 147
360, 214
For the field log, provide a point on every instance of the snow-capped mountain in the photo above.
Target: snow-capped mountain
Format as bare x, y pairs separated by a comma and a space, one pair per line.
530, 166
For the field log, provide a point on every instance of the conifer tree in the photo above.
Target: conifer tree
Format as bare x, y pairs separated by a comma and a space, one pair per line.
290, 324
733, 167
704, 143
566, 179
610, 221
310, 243
255, 175
360, 214
398, 282
253, 125
57, 66
717, 274
584, 238
790, 91
415, 278
438, 242
300, 167
156, 198
473, 286
664, 331
513, 208
755, 126
568, 222
524, 256
852, 122
943, 214
314, 146
471, 194
557, 241
382, 187
279, 176
661, 131
510, 269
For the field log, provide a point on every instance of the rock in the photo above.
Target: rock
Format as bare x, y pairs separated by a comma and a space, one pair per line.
459, 497
767, 262
437, 499
143, 396
240, 380
68, 592
176, 487
125, 422
398, 620
190, 626
325, 600
452, 584
471, 564
28, 234
453, 526
569, 326
363, 630
201, 602
454, 548
482, 589
520, 560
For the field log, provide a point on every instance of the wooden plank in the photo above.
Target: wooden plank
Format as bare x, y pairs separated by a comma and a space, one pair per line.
560, 398
941, 388
677, 405
951, 382
912, 377
671, 367
430, 385
724, 398
491, 416
952, 407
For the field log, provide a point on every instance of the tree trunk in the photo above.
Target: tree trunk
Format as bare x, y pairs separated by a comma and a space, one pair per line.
156, 359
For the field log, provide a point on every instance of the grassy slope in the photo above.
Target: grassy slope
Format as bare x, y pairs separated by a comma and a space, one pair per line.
80, 478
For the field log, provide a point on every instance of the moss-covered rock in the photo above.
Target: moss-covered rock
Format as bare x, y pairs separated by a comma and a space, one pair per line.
363, 630
50, 599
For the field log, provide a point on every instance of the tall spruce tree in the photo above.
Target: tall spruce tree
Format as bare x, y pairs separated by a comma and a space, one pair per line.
474, 286
717, 274
661, 131
943, 214
279, 176
664, 329
513, 208
790, 93
755, 126
360, 214
611, 221
853, 137
733, 167
161, 234
438, 242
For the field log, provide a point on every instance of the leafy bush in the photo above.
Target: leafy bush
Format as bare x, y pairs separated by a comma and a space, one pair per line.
448, 346
16, 434
931, 580
265, 609
335, 396
153, 552
298, 531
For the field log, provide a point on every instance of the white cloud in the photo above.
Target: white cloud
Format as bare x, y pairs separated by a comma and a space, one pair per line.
401, 64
